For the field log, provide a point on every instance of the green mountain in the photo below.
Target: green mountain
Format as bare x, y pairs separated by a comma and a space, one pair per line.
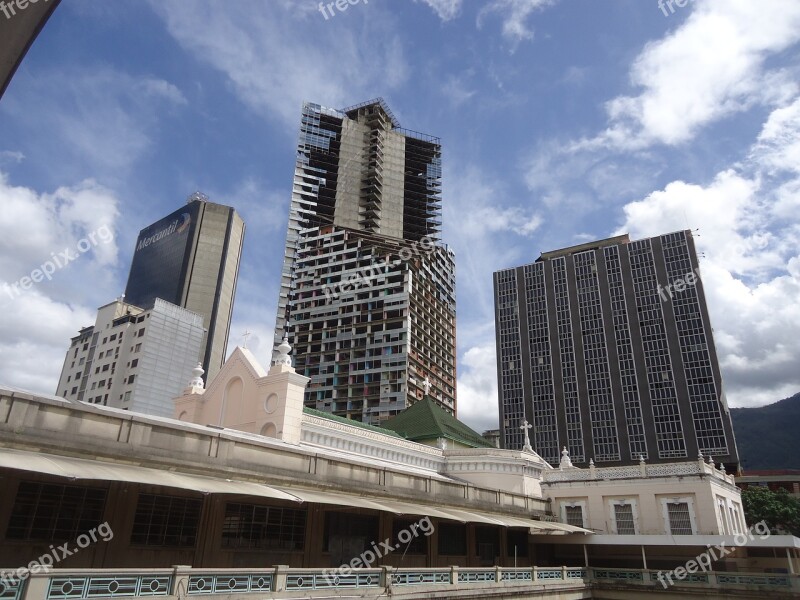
768, 436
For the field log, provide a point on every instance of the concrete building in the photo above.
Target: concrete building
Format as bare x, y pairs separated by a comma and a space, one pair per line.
133, 358
607, 348
190, 258
367, 295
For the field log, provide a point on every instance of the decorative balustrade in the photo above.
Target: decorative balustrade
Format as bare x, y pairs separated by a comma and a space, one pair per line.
180, 582
695, 467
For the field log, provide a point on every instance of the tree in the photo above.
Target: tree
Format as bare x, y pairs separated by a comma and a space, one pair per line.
780, 510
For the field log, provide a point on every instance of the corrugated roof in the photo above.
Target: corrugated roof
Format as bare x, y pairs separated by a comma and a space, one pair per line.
426, 420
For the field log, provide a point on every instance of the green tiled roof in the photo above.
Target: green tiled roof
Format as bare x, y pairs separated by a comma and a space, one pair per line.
359, 424
426, 420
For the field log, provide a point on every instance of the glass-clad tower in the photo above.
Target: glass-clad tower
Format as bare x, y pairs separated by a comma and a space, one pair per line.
367, 295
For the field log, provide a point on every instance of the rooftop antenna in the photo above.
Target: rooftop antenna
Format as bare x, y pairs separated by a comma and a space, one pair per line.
198, 195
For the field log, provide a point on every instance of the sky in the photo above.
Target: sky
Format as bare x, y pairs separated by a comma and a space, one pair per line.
562, 121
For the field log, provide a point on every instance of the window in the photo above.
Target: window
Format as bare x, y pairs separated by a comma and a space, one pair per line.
141, 332
131, 378
418, 542
624, 520
252, 526
80, 362
679, 517
166, 521
137, 348
573, 515
487, 543
134, 363
352, 530
74, 390
452, 539
105, 368
127, 396
517, 543
46, 512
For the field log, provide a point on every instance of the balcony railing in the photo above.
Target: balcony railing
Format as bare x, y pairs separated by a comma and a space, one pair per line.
182, 582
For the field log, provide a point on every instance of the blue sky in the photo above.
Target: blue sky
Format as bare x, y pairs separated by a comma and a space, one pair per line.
561, 122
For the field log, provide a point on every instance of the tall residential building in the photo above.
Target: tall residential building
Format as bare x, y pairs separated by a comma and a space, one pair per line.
132, 358
367, 294
190, 258
606, 348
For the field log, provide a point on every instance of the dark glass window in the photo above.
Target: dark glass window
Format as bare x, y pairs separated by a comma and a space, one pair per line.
487, 542
166, 521
349, 528
252, 526
517, 538
45, 512
413, 539
452, 539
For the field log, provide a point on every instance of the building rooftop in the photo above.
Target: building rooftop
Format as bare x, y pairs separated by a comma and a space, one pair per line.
425, 420
352, 422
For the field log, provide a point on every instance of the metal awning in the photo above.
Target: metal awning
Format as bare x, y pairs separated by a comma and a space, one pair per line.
562, 527
79, 468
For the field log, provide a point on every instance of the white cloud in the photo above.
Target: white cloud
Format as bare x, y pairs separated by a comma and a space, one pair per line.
711, 67
263, 49
477, 386
37, 323
445, 9
750, 261
515, 15
100, 117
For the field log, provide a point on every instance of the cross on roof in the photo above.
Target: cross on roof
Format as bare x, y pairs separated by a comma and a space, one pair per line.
526, 427
427, 385
245, 335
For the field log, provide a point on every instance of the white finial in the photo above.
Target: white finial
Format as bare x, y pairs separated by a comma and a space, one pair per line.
196, 385
711, 460
641, 459
526, 427
591, 462
427, 386
721, 467
283, 353
245, 335
566, 461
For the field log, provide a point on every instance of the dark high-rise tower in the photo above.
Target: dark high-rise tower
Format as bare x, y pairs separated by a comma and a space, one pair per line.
190, 258
367, 294
607, 348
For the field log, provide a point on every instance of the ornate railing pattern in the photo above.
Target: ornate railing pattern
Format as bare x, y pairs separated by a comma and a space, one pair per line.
11, 590
317, 581
475, 576
123, 586
426, 577
182, 582
230, 584
516, 575
696, 467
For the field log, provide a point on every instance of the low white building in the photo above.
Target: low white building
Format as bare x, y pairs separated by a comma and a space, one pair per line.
132, 358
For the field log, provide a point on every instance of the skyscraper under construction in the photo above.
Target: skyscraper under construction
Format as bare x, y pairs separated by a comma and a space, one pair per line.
367, 295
